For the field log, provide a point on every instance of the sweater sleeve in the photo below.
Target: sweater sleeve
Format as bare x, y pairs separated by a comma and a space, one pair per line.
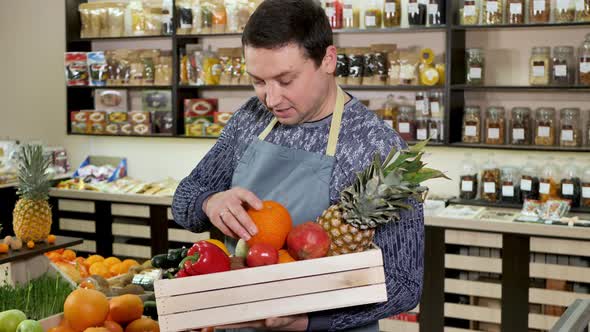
213, 174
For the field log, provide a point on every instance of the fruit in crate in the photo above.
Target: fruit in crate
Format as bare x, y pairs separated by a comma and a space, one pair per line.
125, 308
32, 214
262, 254
307, 241
85, 308
29, 325
10, 319
143, 325
273, 223
204, 258
378, 195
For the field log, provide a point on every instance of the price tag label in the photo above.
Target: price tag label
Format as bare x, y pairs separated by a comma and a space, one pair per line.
508, 191
526, 185
489, 187
413, 8
422, 134
585, 67
404, 127
579, 5
563, 4
390, 8
467, 186
560, 70
389, 123
475, 72
586, 192
518, 133
370, 21
468, 11
539, 6
538, 71
470, 131
567, 189
544, 188
432, 9
515, 9
492, 7
347, 13
544, 131
434, 107
494, 133
567, 135
434, 133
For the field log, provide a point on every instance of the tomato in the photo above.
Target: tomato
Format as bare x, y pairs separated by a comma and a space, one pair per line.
262, 254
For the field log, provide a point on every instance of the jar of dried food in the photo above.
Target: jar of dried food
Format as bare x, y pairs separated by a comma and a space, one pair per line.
495, 127
219, 17
548, 181
582, 10
436, 103
475, 66
355, 66
515, 11
342, 66
571, 185
422, 128
373, 14
565, 11
493, 12
584, 61
469, 14
520, 129
392, 13
333, 9
350, 14
563, 64
417, 12
570, 133
406, 126
436, 12
539, 66
509, 191
436, 106
585, 201
422, 104
545, 126
490, 182
468, 178
472, 124
539, 11
389, 113
529, 181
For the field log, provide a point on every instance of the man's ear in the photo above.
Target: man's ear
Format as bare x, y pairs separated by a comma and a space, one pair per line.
329, 61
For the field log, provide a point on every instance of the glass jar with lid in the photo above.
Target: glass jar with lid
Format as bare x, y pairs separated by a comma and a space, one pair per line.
584, 62
571, 185
436, 12
333, 9
495, 128
539, 65
520, 126
564, 11
392, 13
350, 14
539, 11
422, 128
545, 126
515, 11
472, 124
563, 64
490, 181
493, 12
373, 14
389, 111
475, 66
570, 132
582, 10
406, 126
422, 108
417, 12
585, 201
436, 106
469, 14
509, 191
468, 178
529, 180
548, 181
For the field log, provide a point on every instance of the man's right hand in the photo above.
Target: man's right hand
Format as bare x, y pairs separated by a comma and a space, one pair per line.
227, 212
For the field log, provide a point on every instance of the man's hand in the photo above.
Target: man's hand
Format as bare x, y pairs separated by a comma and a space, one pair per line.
226, 212
286, 323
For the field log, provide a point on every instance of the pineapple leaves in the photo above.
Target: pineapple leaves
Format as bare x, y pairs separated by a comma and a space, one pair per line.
34, 182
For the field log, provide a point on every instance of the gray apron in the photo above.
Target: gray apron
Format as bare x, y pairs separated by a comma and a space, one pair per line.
297, 179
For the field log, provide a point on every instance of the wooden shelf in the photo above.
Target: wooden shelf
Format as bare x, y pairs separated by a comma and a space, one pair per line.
120, 87
520, 26
113, 135
479, 202
521, 88
519, 147
40, 248
121, 38
345, 87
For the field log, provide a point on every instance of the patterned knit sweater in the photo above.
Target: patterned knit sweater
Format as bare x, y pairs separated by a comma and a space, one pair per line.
361, 135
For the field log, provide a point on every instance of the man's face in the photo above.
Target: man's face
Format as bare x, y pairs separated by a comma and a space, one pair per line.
288, 82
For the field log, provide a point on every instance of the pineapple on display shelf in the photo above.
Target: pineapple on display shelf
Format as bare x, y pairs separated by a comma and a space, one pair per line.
32, 213
376, 197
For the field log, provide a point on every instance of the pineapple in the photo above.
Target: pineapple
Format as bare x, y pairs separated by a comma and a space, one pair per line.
377, 197
32, 214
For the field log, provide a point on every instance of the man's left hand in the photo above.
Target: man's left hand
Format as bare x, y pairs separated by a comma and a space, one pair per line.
286, 323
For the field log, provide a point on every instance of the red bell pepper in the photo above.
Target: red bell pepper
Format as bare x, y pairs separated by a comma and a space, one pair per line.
204, 258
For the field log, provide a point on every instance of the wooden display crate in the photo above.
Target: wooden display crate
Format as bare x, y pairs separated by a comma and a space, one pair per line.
271, 291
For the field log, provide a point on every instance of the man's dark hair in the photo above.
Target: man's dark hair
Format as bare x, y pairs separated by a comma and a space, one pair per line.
276, 23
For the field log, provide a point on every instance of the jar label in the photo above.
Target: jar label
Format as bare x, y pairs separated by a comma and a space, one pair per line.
579, 5
518, 133
586, 192
515, 9
494, 133
539, 6
468, 186
347, 13
489, 187
475, 72
544, 131
422, 107
432, 9
539, 71
563, 4
434, 133
560, 70
567, 189
469, 11
434, 108
526, 185
508, 191
330, 12
423, 2
470, 131
389, 123
404, 127
567, 135
370, 21
390, 8
413, 8
422, 134
544, 188
492, 7
585, 67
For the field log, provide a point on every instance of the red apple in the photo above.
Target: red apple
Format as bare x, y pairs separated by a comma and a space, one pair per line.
262, 254
308, 240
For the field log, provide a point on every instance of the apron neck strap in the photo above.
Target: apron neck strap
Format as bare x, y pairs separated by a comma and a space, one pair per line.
334, 126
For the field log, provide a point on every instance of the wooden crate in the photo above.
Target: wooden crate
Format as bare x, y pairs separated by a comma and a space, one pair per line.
271, 291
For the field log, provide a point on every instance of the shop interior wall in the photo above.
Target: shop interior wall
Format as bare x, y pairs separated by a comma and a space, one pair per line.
32, 35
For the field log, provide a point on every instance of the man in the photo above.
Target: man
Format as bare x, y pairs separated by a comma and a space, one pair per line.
300, 142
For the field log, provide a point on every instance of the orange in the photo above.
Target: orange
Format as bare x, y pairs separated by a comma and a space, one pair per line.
129, 263
30, 244
117, 269
143, 325
284, 257
113, 326
61, 328
100, 269
3, 248
93, 259
125, 308
86, 308
97, 329
68, 255
273, 222
111, 261
53, 256
51, 239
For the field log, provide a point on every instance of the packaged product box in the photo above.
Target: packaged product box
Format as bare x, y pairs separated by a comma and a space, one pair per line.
110, 100
126, 129
112, 128
76, 68
119, 165
79, 122
222, 118
118, 117
163, 122
97, 122
97, 68
141, 129
157, 100
139, 117
199, 107
214, 130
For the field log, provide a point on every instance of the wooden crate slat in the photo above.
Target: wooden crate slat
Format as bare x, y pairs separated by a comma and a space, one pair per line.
75, 206
370, 258
393, 325
473, 288
130, 210
554, 297
130, 230
473, 263
560, 272
542, 322
271, 290
77, 225
479, 239
560, 247
182, 235
273, 308
472, 312
131, 250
